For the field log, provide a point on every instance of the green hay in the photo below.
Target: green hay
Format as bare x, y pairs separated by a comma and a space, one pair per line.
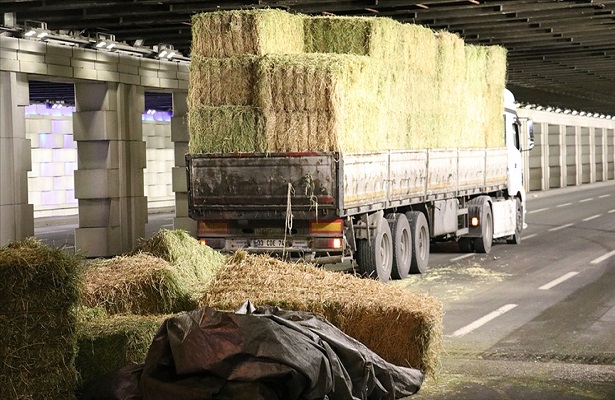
39, 288
226, 129
107, 344
379, 84
257, 32
403, 328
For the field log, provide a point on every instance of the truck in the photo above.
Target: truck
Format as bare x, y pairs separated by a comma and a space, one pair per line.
378, 210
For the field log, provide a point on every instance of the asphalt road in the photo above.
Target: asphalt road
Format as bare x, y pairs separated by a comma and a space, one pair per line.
528, 321
535, 320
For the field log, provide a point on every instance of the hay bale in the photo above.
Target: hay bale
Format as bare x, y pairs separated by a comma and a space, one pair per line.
221, 81
39, 288
257, 32
137, 284
107, 344
163, 275
496, 82
408, 326
226, 129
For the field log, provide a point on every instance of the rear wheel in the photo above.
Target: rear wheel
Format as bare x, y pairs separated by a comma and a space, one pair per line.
420, 242
483, 243
402, 245
516, 237
375, 256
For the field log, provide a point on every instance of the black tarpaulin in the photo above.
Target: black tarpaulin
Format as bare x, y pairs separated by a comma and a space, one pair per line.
267, 353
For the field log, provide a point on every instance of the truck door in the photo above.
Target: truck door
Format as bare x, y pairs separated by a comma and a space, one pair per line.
513, 144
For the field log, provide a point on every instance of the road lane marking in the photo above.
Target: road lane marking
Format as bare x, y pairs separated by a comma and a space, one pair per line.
592, 217
585, 200
166, 226
602, 258
529, 236
557, 281
462, 257
612, 211
537, 211
482, 321
564, 205
557, 228
603, 196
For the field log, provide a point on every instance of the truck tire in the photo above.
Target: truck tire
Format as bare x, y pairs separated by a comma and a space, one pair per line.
420, 242
516, 237
483, 244
402, 245
375, 256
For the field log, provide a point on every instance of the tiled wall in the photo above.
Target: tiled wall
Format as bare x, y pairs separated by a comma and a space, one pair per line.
54, 159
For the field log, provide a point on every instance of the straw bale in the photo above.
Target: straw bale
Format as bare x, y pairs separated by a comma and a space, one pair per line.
257, 32
39, 288
496, 79
226, 129
221, 81
403, 328
137, 284
107, 344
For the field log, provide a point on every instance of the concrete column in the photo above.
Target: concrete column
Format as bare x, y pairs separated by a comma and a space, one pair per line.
556, 163
111, 157
572, 155
592, 155
180, 137
610, 142
16, 215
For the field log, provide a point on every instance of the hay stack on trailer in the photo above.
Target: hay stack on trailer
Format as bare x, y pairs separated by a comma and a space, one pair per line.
349, 84
39, 289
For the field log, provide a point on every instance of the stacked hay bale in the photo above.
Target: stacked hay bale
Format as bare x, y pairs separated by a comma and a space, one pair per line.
347, 84
126, 298
39, 288
409, 325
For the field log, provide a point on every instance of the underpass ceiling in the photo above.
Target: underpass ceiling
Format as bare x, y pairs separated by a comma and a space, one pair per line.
560, 52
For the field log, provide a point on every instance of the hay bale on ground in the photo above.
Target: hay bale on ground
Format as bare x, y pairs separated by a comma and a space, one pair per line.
138, 284
163, 275
257, 32
39, 289
107, 344
403, 328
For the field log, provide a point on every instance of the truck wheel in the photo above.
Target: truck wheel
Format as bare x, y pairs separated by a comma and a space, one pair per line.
483, 243
465, 245
402, 245
420, 242
516, 237
375, 256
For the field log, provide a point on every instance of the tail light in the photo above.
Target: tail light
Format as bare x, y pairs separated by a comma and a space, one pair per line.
327, 227
206, 228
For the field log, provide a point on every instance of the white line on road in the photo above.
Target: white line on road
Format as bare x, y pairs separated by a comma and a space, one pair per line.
462, 257
564, 205
612, 211
584, 200
602, 258
166, 226
529, 236
557, 281
482, 321
603, 196
537, 211
592, 217
557, 228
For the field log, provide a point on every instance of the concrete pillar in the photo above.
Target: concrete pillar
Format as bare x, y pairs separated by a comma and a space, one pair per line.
610, 143
16, 215
109, 177
556, 163
180, 137
572, 155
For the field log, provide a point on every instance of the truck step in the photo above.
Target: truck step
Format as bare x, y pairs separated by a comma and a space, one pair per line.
462, 231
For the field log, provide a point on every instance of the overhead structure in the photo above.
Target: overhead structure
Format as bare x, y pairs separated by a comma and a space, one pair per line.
561, 53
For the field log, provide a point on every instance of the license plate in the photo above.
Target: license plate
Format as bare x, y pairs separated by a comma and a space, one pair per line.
269, 243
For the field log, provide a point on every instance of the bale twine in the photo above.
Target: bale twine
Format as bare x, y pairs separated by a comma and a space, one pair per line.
403, 328
39, 289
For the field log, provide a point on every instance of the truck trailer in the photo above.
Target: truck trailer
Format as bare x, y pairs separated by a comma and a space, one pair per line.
379, 210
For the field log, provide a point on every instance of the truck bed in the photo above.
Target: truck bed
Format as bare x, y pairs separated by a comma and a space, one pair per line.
269, 186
